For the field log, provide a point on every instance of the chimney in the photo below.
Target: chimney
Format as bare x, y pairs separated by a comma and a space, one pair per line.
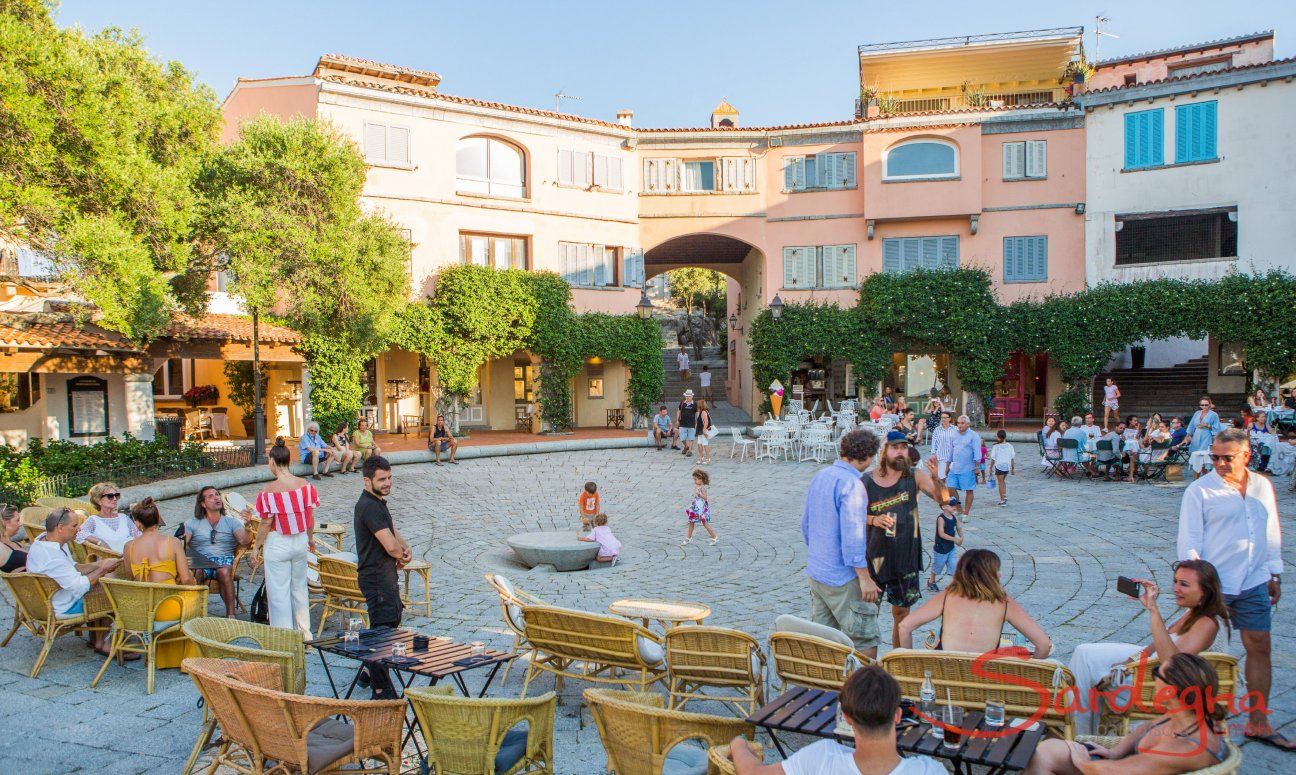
625, 116
725, 116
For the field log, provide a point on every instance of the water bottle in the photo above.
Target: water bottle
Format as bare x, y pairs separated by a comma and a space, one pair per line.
927, 702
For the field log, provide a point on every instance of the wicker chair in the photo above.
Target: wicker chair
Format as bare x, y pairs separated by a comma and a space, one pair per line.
1143, 707
952, 671
511, 601
475, 736
639, 734
33, 593
137, 629
1231, 765
33, 520
259, 722
52, 502
562, 637
698, 656
341, 590
718, 757
248, 642
802, 659
96, 552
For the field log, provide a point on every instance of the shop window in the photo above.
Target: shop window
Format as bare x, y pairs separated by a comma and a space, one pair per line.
172, 379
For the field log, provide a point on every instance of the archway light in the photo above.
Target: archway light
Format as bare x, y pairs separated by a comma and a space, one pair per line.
776, 307
645, 305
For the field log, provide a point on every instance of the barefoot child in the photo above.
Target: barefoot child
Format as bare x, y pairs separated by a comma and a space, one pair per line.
949, 535
588, 502
1004, 459
699, 510
609, 546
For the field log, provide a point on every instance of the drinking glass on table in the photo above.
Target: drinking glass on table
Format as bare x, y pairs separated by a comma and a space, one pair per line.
478, 648
351, 639
994, 713
354, 624
953, 726
399, 650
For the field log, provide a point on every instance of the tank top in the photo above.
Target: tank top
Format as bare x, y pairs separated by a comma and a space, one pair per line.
891, 559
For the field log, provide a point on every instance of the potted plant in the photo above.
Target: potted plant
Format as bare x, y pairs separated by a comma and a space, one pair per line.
202, 394
238, 374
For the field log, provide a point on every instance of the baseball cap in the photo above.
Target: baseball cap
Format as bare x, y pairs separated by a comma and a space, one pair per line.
954, 501
894, 436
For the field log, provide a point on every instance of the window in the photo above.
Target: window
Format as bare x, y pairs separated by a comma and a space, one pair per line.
1144, 143
699, 176
18, 391
904, 254
591, 266
385, 144
1025, 259
820, 171
1195, 132
1131, 79
495, 250
595, 381
1179, 237
819, 266
87, 407
224, 279
25, 262
1197, 67
580, 169
1026, 160
173, 378
921, 159
485, 165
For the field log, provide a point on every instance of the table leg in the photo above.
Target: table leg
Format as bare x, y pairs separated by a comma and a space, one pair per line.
463, 687
327, 672
777, 745
489, 678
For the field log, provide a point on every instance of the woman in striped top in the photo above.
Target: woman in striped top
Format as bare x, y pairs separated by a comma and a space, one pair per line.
286, 506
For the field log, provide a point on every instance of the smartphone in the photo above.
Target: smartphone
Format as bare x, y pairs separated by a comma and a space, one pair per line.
1128, 586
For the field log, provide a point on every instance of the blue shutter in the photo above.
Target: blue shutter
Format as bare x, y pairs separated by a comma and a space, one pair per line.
911, 253
931, 252
1011, 273
1132, 123
891, 256
1156, 139
1040, 269
1144, 139
1195, 127
1208, 129
1184, 132
949, 252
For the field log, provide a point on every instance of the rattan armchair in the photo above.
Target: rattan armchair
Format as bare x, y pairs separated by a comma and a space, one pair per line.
561, 638
464, 735
698, 656
342, 592
718, 757
137, 629
53, 502
1144, 706
33, 520
248, 642
810, 661
639, 734
1015, 684
259, 722
33, 593
511, 601
1231, 764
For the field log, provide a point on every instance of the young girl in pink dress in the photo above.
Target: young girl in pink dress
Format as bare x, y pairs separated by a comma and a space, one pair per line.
699, 509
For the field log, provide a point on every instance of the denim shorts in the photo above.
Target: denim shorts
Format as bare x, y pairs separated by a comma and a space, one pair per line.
964, 482
944, 563
1250, 609
687, 434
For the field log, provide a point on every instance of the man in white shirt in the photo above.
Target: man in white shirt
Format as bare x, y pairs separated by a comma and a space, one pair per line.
704, 377
942, 444
870, 701
1229, 517
682, 360
1091, 431
79, 591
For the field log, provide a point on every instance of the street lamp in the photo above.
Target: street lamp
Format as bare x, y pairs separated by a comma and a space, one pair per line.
776, 307
258, 410
733, 322
645, 306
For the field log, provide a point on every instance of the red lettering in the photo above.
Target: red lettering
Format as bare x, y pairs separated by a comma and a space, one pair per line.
980, 669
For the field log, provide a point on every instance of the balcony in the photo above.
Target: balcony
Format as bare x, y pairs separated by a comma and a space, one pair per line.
890, 106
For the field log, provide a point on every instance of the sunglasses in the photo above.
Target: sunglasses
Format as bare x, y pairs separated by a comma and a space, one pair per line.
1156, 673
1220, 458
113, 495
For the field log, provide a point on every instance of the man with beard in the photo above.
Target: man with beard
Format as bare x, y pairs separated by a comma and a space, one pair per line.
894, 539
382, 551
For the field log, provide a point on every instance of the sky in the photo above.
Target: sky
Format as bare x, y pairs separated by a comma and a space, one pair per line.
669, 61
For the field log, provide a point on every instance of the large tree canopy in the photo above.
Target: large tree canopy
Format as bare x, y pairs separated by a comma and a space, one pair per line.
100, 143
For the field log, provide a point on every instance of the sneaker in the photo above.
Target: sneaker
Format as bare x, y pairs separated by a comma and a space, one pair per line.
714, 541
931, 587
686, 542
1003, 502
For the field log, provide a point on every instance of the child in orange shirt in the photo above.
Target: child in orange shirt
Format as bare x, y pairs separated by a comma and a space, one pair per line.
588, 503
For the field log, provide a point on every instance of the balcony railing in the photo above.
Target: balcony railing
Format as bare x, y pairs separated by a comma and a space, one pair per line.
967, 40
961, 102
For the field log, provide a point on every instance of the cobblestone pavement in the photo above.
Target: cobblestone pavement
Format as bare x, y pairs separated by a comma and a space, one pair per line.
1063, 544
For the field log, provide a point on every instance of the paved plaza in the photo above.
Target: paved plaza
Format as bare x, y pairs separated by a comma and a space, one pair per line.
1063, 544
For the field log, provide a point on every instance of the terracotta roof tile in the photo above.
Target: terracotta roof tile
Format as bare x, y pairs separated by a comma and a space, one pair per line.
1192, 76
426, 77
230, 328
1165, 52
25, 331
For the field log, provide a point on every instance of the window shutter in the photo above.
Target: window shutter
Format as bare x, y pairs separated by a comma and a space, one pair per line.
790, 258
564, 270
632, 274
1183, 132
799, 267
614, 173
812, 176
949, 252
1208, 130
848, 181
599, 255
583, 172
789, 173
728, 174
670, 174
1009, 155
1156, 138
398, 145
375, 142
931, 252
1010, 270
891, 256
1132, 121
747, 175
849, 265
1041, 258
651, 176
839, 266
565, 168
1036, 154
587, 264
912, 254
600, 171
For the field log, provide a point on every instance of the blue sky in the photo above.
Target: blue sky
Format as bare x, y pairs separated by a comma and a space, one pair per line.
669, 61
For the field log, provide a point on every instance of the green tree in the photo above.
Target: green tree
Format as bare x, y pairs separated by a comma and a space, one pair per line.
281, 205
98, 145
694, 286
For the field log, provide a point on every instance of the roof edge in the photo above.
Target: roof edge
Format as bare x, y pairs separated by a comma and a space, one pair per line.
1165, 52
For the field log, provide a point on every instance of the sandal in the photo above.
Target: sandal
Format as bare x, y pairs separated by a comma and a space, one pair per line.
1273, 739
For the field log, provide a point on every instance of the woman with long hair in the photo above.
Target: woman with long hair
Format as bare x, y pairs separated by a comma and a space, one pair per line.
1197, 591
286, 506
1190, 736
973, 610
159, 558
702, 423
106, 527
12, 555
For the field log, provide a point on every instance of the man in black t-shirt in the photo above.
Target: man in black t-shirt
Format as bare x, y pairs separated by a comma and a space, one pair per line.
686, 422
381, 552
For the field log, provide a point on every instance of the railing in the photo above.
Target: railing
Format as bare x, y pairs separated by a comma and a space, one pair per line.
211, 459
1012, 99
960, 102
967, 40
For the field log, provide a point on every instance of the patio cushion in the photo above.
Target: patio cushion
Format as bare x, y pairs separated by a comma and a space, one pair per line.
328, 742
512, 748
790, 623
685, 759
514, 610
651, 653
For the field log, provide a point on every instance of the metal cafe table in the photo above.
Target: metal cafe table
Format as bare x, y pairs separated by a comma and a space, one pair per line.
814, 712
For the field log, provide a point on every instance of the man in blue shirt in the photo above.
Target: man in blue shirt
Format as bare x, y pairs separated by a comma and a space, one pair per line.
834, 523
965, 454
663, 429
1178, 434
315, 450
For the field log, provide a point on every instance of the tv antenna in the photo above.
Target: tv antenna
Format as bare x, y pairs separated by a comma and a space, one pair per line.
1099, 33
559, 97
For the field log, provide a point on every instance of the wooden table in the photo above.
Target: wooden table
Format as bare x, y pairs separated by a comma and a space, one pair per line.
814, 712
337, 531
668, 612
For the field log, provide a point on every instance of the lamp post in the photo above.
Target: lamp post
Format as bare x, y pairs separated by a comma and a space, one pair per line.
258, 411
776, 307
645, 306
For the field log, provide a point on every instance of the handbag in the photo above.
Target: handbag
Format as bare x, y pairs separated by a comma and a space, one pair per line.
259, 611
712, 432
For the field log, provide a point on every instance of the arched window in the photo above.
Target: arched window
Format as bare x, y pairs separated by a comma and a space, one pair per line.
486, 165
921, 159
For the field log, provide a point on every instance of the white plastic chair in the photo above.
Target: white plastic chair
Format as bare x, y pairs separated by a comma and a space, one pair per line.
813, 441
776, 440
740, 443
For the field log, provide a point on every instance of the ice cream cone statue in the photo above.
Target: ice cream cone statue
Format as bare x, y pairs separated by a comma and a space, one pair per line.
776, 398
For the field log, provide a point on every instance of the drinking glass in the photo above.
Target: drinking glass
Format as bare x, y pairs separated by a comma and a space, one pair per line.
399, 650
355, 623
478, 648
890, 531
994, 713
953, 726
351, 639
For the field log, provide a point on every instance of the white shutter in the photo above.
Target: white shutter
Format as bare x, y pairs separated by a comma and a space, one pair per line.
652, 176
398, 145
892, 259
564, 168
375, 142
582, 172
794, 173
727, 174
599, 254
1006, 162
600, 171
848, 177
839, 266
799, 267
1014, 161
748, 174
949, 252
670, 171
614, 173
632, 272
911, 253
1036, 158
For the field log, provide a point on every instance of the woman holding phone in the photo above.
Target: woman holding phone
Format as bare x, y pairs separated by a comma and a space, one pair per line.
1196, 590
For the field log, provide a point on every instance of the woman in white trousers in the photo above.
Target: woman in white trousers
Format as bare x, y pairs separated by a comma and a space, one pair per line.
285, 539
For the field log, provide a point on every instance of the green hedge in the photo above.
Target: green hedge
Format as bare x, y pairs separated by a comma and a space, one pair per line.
23, 474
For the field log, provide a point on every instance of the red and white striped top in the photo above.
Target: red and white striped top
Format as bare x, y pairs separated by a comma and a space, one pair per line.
290, 511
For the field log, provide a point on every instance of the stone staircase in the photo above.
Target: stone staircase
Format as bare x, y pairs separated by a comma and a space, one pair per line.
1171, 391
724, 414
